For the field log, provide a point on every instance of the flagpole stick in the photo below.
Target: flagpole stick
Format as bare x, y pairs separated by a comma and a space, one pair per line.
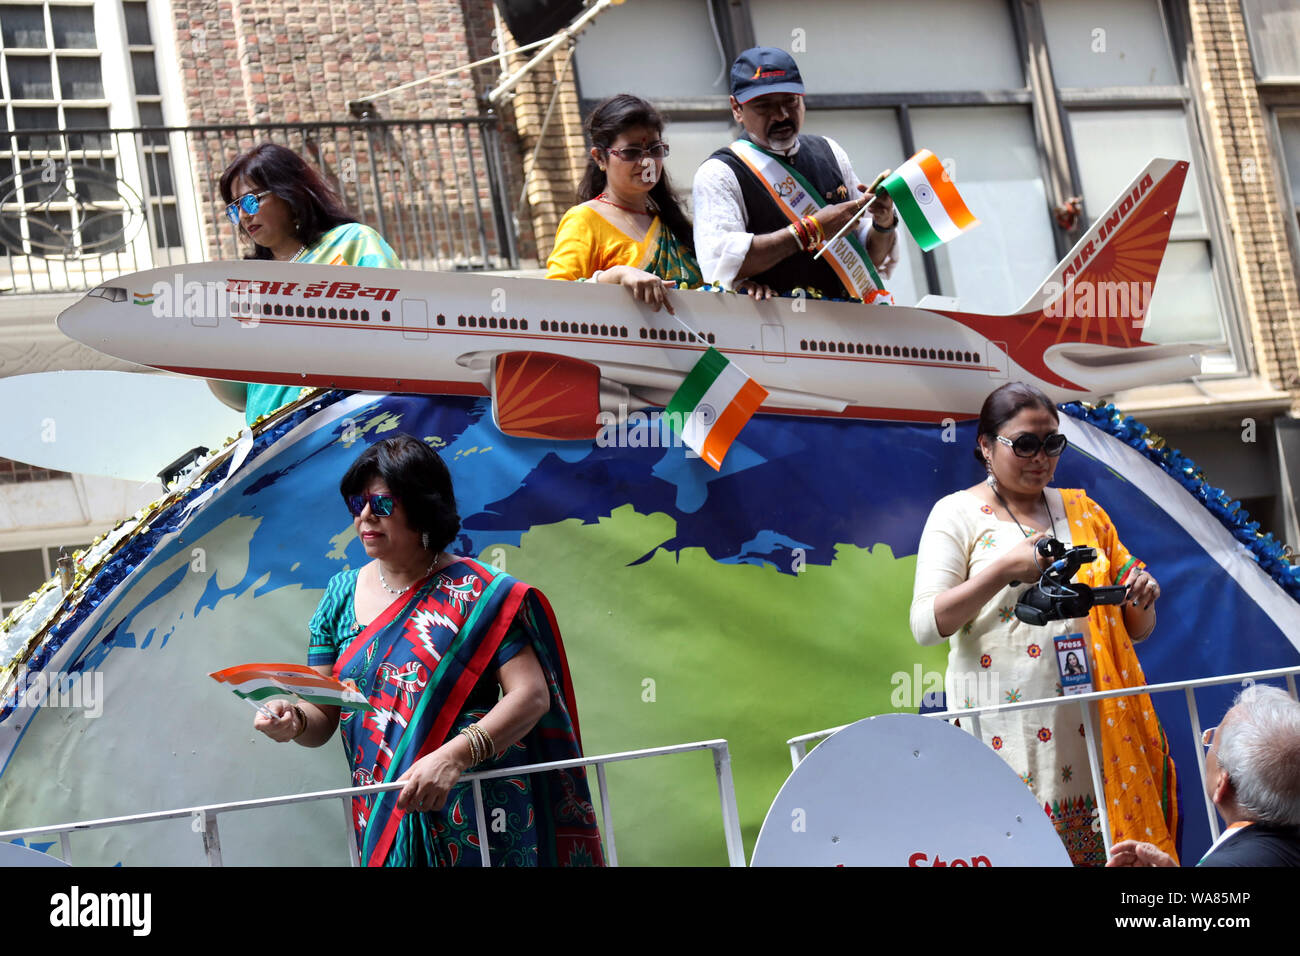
856, 216
259, 708
694, 335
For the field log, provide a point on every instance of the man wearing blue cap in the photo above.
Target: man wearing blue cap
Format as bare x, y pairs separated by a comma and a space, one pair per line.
768, 202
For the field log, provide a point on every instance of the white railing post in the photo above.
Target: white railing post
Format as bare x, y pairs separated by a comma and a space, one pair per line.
1092, 741
797, 752
727, 796
1195, 716
484, 853
66, 847
205, 822
350, 832
607, 814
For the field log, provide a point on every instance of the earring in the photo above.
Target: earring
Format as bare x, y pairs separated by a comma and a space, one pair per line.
424, 540
990, 479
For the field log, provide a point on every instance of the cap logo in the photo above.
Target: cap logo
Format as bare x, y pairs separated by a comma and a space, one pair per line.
761, 74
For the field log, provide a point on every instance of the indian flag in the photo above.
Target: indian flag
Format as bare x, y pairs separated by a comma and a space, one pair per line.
257, 682
713, 404
927, 201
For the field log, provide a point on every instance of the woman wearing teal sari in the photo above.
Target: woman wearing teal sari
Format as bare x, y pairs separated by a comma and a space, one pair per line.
290, 214
629, 228
464, 669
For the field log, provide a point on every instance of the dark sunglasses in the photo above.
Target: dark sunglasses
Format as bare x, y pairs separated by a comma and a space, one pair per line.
249, 204
380, 505
633, 154
1027, 446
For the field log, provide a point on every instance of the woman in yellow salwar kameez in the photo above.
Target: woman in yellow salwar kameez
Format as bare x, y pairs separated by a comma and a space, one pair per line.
977, 546
629, 228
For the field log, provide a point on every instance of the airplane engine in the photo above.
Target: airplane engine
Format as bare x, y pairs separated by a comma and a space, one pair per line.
542, 395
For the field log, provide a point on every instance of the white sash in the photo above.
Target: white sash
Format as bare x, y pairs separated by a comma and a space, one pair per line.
796, 198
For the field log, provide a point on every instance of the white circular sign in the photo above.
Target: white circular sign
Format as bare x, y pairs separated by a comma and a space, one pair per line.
903, 790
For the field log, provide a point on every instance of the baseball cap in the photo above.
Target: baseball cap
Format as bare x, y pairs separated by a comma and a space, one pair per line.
762, 70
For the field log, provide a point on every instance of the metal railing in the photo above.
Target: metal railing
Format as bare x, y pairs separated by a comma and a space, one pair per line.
79, 206
205, 817
1087, 704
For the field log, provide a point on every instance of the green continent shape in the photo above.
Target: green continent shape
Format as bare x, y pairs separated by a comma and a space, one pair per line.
681, 648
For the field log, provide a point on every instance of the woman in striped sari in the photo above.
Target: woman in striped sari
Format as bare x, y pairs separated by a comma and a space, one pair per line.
463, 668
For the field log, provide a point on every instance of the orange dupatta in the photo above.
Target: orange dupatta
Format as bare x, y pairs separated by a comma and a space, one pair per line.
1137, 773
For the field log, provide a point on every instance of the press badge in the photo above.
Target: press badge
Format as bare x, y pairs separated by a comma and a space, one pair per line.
1073, 664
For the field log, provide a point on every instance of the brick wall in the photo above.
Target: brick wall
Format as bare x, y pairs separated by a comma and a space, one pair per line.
300, 61
552, 171
1244, 169
261, 62
15, 472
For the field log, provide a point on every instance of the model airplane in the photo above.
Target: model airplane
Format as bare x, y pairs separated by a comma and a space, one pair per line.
554, 355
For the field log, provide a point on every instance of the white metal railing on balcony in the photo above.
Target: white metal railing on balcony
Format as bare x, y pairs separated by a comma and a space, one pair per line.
80, 206
1087, 704
205, 817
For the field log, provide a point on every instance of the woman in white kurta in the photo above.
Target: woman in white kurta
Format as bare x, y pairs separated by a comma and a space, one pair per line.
975, 543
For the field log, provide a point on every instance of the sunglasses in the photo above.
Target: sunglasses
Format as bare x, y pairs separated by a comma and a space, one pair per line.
249, 204
633, 154
381, 506
1027, 446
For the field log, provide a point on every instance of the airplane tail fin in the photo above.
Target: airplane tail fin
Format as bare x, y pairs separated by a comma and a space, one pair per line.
1107, 278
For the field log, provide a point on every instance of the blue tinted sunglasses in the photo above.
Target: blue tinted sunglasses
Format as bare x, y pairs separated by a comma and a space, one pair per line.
249, 204
380, 505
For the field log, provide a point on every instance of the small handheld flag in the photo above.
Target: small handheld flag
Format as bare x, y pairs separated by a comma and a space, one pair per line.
713, 404
927, 201
255, 682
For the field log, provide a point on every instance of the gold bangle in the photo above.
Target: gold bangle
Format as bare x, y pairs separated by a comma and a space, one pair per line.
475, 758
480, 746
489, 749
302, 716
487, 740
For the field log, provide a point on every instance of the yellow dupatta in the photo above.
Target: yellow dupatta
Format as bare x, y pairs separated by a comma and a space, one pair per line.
1137, 771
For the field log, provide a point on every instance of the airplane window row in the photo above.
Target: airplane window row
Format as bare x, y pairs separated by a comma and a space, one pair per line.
672, 335
585, 328
304, 312
489, 322
850, 348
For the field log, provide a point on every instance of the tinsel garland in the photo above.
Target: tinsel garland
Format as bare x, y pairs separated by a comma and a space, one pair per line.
1271, 555
167, 516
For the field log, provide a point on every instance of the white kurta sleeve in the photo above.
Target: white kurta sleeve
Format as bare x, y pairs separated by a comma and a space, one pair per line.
942, 562
722, 236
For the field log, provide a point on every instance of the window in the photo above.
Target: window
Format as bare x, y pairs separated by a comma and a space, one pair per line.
77, 199
1274, 28
22, 572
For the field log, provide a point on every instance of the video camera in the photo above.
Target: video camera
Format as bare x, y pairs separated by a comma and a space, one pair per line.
1055, 597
